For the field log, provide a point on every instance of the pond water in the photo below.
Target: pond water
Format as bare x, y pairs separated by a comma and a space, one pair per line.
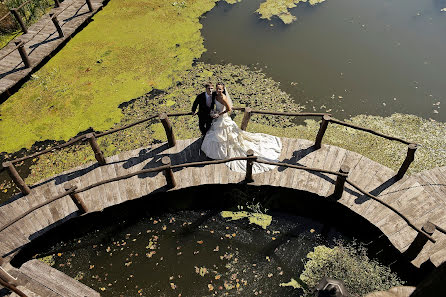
348, 57
178, 244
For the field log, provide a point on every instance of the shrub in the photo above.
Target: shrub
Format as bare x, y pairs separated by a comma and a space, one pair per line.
350, 264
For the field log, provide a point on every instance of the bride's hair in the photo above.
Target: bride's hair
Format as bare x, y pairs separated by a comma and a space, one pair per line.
221, 84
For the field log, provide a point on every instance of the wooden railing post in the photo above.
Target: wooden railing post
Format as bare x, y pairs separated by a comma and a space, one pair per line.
56, 24
411, 149
249, 163
56, 3
320, 134
246, 117
76, 198
90, 7
15, 13
168, 128
23, 53
96, 149
340, 183
168, 173
419, 242
16, 178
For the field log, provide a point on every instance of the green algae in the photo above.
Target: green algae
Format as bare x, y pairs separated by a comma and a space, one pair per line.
247, 87
260, 219
253, 88
130, 48
280, 8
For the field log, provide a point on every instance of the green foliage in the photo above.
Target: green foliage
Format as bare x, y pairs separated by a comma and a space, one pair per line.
130, 48
350, 264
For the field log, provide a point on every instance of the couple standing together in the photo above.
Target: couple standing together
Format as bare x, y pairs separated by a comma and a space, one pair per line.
224, 139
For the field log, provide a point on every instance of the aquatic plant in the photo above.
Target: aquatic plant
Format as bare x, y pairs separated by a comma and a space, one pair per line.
349, 263
130, 48
280, 8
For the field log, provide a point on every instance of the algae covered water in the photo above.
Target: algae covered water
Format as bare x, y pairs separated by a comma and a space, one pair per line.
347, 57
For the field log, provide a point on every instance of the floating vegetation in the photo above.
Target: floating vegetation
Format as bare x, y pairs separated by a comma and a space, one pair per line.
280, 8
247, 87
349, 263
260, 219
129, 49
253, 88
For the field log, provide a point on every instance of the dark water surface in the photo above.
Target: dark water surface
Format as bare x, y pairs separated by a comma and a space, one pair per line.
380, 56
178, 244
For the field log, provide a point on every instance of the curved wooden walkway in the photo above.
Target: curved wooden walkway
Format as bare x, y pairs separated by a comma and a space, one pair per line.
41, 41
420, 197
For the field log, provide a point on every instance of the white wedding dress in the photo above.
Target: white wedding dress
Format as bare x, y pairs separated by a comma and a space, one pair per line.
226, 140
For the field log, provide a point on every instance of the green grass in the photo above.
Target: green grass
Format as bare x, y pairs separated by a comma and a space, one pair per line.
130, 48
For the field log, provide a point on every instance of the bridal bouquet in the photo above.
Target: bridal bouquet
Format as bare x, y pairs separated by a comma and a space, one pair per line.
214, 114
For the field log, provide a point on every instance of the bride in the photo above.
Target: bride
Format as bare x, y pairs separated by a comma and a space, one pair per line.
226, 140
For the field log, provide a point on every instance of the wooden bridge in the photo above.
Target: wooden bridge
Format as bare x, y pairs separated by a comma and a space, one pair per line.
409, 210
26, 53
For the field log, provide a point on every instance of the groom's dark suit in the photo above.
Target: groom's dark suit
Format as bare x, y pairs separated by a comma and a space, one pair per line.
204, 118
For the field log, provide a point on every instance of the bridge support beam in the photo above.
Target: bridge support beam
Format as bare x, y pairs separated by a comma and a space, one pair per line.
21, 48
418, 243
246, 117
168, 128
411, 149
16, 178
96, 149
340, 183
56, 24
19, 20
168, 173
76, 198
249, 163
320, 134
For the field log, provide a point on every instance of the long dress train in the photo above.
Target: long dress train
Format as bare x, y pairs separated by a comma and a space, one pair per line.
226, 140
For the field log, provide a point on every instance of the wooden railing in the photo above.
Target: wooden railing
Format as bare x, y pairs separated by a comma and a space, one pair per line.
164, 119
20, 44
167, 168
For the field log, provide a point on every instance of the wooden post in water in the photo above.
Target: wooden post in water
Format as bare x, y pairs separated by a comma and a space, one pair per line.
168, 173
168, 128
320, 134
411, 149
249, 163
246, 117
56, 24
23, 53
96, 149
15, 13
16, 178
90, 7
76, 198
340, 183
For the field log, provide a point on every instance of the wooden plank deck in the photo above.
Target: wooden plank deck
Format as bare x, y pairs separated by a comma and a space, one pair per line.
419, 197
42, 40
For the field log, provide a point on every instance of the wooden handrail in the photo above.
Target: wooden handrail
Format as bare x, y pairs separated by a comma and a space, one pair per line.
391, 208
290, 114
52, 149
333, 120
300, 167
4, 17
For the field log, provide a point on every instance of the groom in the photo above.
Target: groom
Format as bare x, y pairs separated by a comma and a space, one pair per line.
205, 102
